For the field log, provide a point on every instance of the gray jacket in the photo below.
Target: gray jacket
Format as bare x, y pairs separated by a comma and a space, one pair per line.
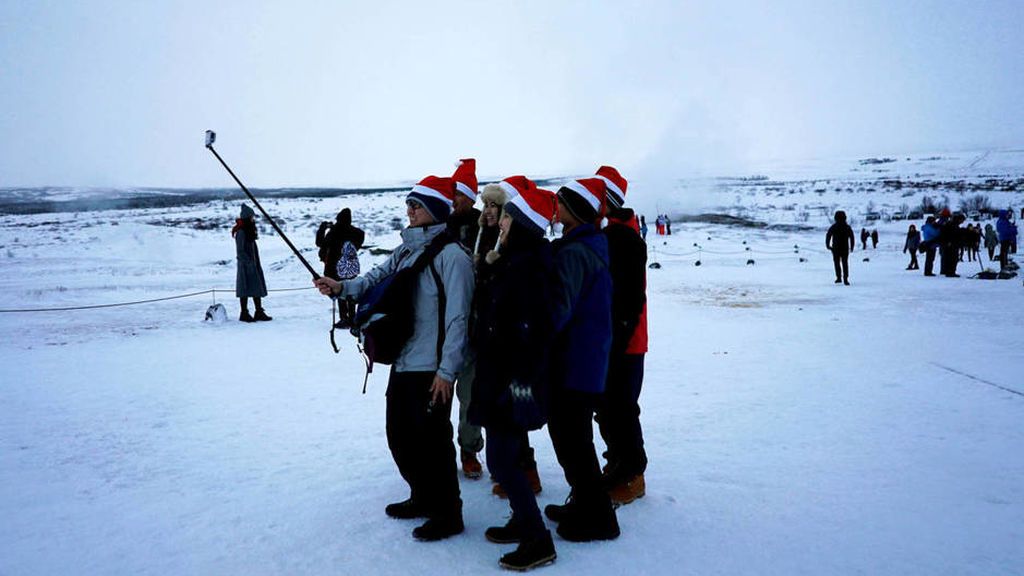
455, 268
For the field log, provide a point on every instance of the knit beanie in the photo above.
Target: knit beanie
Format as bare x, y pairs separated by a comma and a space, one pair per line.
615, 185
584, 198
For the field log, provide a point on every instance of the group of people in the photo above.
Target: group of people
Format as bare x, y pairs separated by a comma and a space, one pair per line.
944, 236
865, 235
663, 225
525, 332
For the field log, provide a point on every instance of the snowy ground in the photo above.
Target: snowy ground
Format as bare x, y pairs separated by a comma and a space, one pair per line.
793, 426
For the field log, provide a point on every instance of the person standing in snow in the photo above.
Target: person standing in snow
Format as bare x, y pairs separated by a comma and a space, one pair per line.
911, 245
419, 393
929, 242
874, 238
485, 253
951, 240
991, 241
579, 361
513, 335
840, 241
249, 280
1007, 232
618, 412
339, 244
668, 225
464, 226
864, 235
643, 228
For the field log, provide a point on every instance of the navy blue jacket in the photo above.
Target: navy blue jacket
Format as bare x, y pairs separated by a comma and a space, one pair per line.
583, 311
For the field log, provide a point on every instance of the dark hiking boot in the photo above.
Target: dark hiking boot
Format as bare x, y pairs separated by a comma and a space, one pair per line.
531, 476
245, 317
846, 282
439, 528
838, 281
530, 554
261, 316
507, 534
471, 467
558, 512
628, 490
586, 527
405, 510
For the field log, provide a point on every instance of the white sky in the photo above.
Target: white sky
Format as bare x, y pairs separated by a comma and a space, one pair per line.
332, 93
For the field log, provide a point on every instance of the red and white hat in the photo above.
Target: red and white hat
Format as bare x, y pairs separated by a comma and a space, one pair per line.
465, 177
584, 198
616, 185
515, 185
534, 208
435, 193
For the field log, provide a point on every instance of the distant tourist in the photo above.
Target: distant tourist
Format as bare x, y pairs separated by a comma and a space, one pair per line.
864, 235
911, 245
841, 242
668, 225
991, 241
950, 240
249, 281
1007, 232
643, 228
338, 243
874, 239
929, 243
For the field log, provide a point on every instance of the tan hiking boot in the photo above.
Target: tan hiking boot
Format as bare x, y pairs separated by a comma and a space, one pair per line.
471, 467
531, 475
626, 492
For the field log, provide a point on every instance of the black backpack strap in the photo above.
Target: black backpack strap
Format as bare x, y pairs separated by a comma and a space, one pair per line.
442, 307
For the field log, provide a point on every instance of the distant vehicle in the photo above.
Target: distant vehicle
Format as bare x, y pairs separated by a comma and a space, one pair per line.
915, 215
899, 216
872, 216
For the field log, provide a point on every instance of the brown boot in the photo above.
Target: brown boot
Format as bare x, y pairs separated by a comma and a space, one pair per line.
626, 492
471, 467
531, 476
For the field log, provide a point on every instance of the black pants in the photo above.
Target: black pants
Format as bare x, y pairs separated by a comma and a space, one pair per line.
950, 260
505, 452
929, 260
841, 261
1004, 254
618, 417
570, 424
420, 439
913, 260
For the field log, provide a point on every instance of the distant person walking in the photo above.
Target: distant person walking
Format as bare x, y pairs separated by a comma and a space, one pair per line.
249, 281
929, 242
840, 240
951, 239
668, 225
864, 235
1007, 232
643, 228
874, 239
911, 245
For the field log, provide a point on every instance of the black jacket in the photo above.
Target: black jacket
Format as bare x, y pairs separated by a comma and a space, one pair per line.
464, 227
331, 239
627, 263
513, 328
840, 238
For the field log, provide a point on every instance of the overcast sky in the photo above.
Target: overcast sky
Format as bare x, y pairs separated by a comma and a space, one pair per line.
332, 93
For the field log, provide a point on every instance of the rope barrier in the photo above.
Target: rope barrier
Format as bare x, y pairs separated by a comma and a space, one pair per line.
136, 302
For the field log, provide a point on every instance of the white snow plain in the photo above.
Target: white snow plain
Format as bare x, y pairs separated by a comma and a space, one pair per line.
793, 426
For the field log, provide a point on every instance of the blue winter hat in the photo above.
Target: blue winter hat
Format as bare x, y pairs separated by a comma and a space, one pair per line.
246, 212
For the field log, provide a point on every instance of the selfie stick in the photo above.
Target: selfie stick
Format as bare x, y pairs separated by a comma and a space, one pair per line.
211, 136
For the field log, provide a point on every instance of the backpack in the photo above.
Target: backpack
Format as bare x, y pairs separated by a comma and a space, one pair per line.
385, 315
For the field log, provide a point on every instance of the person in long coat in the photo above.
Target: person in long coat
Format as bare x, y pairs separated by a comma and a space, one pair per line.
249, 280
513, 336
911, 245
840, 241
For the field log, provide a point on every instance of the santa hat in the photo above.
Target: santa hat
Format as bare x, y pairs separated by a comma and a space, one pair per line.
616, 185
534, 209
465, 177
584, 198
435, 193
